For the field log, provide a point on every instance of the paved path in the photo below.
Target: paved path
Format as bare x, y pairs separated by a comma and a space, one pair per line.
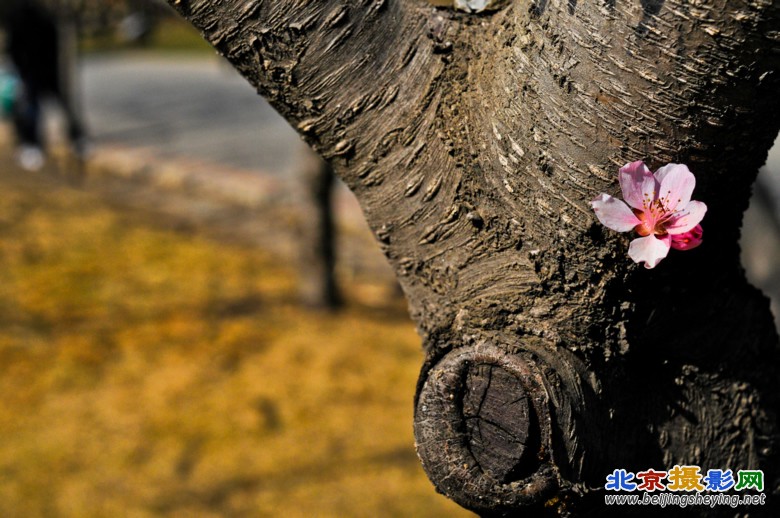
185, 107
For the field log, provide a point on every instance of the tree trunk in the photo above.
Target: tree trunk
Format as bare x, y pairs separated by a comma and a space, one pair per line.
474, 144
318, 286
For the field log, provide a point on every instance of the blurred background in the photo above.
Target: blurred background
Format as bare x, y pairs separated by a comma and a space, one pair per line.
194, 318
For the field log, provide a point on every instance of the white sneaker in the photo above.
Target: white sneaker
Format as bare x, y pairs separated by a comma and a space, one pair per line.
30, 158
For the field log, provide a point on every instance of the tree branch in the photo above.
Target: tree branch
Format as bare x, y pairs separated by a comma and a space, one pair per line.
344, 74
474, 144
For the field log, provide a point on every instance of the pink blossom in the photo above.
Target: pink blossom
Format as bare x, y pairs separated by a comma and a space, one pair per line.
658, 207
688, 240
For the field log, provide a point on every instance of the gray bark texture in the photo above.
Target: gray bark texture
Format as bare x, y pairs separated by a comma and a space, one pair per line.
474, 143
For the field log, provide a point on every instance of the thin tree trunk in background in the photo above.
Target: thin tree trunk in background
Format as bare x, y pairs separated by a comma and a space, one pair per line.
318, 287
474, 145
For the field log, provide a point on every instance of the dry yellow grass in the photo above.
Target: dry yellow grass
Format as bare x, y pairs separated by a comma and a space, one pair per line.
147, 372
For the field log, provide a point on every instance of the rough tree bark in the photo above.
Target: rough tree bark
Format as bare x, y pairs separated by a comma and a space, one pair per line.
474, 144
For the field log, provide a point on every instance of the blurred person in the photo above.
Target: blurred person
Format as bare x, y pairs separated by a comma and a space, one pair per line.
33, 44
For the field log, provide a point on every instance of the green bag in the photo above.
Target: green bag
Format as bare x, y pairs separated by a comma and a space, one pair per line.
9, 90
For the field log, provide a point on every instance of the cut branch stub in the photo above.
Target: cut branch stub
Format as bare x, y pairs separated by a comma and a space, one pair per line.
483, 426
500, 423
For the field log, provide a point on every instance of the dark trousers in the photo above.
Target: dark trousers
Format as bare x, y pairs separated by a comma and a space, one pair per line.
28, 115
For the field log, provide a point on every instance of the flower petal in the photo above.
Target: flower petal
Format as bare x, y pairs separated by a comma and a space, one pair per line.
676, 185
649, 250
688, 240
689, 217
638, 184
613, 213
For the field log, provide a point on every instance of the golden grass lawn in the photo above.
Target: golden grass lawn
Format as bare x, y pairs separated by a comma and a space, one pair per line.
149, 372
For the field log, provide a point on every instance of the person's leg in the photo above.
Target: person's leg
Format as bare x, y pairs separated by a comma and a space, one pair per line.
65, 87
27, 125
76, 131
27, 118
